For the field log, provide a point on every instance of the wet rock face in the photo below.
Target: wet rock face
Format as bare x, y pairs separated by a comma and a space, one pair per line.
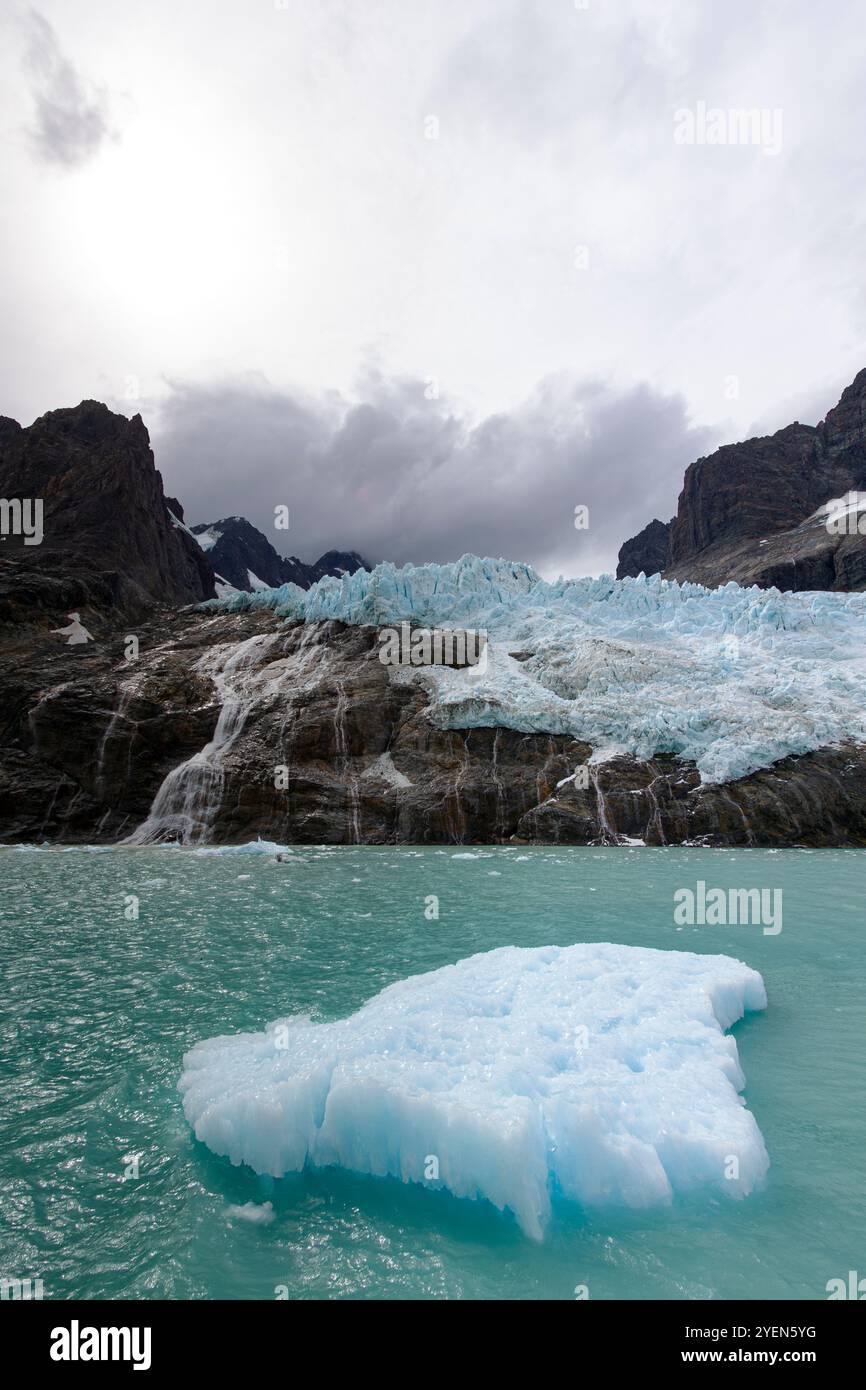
743, 510
647, 552
323, 747
109, 543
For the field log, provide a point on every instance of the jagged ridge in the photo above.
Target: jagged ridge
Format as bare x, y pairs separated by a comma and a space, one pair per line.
244, 557
744, 512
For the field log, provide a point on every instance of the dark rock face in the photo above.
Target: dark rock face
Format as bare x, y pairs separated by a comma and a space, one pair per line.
242, 550
647, 552
750, 490
109, 544
805, 557
744, 511
333, 562
328, 749
843, 431
337, 562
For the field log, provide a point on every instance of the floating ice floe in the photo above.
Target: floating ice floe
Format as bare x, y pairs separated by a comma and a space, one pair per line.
250, 1211
599, 1072
731, 678
259, 846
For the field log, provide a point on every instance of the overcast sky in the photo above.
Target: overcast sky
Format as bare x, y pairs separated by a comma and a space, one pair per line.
433, 274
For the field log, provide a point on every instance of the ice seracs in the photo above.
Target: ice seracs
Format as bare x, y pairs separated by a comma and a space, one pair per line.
599, 1072
732, 678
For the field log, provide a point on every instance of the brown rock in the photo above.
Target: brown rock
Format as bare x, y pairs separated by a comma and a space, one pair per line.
88, 738
109, 544
743, 513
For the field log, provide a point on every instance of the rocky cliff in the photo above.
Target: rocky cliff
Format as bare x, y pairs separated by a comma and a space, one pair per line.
233, 726
109, 545
241, 721
747, 512
647, 552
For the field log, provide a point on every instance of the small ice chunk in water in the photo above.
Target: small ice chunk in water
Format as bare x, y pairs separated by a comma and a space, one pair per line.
600, 1072
259, 1215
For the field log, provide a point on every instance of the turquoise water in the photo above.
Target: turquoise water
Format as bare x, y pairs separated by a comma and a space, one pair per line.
98, 1011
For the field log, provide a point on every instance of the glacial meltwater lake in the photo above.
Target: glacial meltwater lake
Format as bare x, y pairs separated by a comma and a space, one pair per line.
98, 1010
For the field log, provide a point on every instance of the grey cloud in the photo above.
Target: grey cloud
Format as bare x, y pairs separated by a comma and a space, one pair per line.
399, 477
808, 406
71, 118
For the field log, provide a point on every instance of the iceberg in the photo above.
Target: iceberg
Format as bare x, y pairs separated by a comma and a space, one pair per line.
733, 679
599, 1073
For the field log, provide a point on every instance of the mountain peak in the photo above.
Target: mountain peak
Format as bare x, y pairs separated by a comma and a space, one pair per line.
104, 510
747, 511
243, 556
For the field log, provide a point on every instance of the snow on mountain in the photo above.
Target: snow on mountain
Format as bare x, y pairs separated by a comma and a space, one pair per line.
207, 539
182, 526
600, 1071
732, 678
246, 560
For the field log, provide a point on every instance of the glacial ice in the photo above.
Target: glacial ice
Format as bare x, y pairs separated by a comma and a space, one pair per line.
602, 1073
250, 1211
732, 678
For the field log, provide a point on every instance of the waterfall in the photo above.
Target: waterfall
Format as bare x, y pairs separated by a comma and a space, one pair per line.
656, 817
187, 803
126, 694
726, 796
608, 835
343, 753
499, 826
456, 817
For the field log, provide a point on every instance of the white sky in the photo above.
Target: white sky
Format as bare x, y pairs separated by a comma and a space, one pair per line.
223, 196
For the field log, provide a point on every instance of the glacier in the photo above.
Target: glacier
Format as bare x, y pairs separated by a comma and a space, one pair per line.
731, 678
599, 1073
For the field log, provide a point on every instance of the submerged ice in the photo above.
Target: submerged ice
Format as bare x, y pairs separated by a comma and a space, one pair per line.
732, 678
599, 1072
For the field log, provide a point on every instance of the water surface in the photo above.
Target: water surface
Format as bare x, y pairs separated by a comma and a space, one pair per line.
98, 1010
